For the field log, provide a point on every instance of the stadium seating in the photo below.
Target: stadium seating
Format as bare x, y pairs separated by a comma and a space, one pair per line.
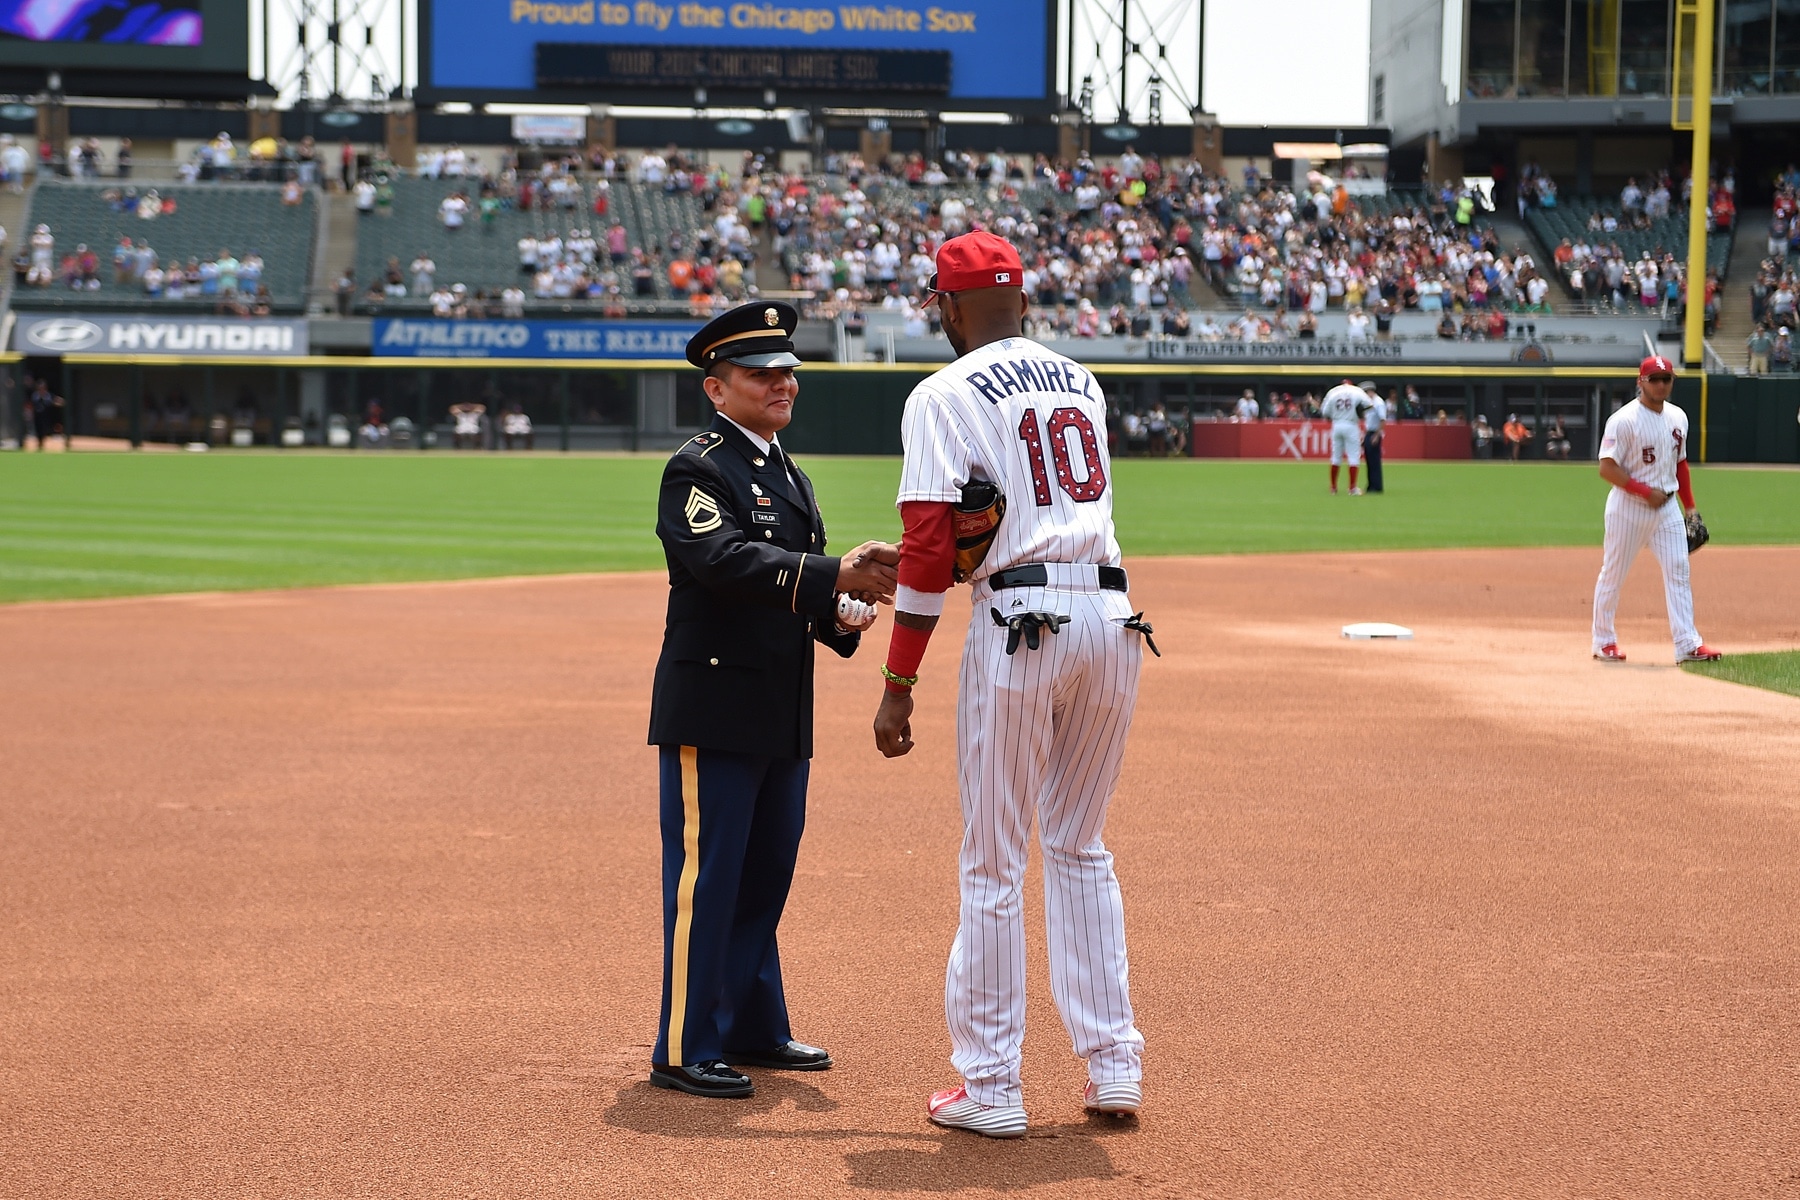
481, 256
207, 218
1569, 219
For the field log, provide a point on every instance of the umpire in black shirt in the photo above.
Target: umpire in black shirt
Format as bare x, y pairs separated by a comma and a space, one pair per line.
750, 590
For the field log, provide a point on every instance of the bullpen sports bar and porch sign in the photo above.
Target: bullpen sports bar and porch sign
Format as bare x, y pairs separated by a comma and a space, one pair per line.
406, 338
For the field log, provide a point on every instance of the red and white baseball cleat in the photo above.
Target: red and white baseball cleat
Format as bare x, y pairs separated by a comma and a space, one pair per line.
1115, 1099
1701, 653
1610, 653
954, 1110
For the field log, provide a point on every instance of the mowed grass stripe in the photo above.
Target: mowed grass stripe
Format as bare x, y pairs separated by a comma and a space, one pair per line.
96, 525
1777, 671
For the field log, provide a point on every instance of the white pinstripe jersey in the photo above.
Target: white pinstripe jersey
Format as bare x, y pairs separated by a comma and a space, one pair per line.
1032, 421
1647, 444
1339, 404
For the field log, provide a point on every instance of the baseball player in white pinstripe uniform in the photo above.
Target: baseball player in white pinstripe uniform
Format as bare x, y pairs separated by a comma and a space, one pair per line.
1339, 407
1643, 454
1048, 685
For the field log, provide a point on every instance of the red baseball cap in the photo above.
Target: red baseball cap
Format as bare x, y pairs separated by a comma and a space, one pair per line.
1656, 364
977, 259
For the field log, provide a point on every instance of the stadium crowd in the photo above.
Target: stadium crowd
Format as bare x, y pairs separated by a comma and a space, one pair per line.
233, 285
1773, 306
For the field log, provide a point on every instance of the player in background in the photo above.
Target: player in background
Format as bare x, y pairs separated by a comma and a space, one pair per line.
1339, 407
1047, 688
1643, 454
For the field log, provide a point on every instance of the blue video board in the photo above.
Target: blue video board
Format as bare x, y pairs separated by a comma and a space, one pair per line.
998, 50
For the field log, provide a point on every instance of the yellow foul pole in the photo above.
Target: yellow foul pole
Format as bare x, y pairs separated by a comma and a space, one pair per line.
1700, 120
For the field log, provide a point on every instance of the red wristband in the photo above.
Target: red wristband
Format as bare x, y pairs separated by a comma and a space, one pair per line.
906, 650
1640, 490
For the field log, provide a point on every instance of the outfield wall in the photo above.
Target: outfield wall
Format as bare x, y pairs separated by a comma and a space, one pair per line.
844, 408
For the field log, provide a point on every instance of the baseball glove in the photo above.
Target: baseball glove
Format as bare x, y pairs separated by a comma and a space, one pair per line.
1697, 534
976, 518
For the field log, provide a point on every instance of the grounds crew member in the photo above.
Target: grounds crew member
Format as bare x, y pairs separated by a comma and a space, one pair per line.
750, 590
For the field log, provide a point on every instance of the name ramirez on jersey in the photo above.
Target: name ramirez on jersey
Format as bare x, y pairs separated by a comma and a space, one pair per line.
1031, 421
1647, 444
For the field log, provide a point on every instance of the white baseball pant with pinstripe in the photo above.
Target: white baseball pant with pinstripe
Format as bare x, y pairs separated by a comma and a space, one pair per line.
1042, 731
1629, 524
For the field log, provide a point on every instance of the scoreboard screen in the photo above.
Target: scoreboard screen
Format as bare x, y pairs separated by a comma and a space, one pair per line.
165, 35
983, 52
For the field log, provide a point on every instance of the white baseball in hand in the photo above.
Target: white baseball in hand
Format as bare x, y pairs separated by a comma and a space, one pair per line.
854, 614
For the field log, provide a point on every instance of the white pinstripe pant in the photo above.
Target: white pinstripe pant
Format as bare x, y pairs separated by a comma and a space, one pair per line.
1629, 524
1042, 730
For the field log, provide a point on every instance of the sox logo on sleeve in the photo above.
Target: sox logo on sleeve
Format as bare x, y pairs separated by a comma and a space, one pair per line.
1647, 445
1041, 728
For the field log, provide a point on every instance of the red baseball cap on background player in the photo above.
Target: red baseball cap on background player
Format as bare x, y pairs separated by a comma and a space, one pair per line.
977, 259
1656, 364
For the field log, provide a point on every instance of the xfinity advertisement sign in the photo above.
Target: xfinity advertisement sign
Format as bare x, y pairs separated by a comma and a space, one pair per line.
173, 336
425, 338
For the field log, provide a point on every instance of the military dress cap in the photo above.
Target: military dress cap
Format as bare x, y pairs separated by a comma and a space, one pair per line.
760, 334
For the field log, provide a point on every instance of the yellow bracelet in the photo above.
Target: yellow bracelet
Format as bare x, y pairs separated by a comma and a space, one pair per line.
902, 680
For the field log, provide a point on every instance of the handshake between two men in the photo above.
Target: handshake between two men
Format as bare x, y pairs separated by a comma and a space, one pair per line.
866, 578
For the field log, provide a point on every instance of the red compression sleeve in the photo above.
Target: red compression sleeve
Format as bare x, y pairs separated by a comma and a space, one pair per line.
928, 547
906, 650
1640, 490
927, 557
1684, 484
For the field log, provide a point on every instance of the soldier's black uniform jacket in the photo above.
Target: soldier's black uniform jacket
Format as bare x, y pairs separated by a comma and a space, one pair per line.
750, 590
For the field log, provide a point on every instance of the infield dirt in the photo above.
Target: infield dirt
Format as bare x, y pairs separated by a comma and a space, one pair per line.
354, 892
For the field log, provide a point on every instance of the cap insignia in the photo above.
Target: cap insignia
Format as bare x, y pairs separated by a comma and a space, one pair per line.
771, 318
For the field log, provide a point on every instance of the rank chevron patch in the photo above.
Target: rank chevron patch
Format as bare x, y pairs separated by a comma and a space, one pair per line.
702, 512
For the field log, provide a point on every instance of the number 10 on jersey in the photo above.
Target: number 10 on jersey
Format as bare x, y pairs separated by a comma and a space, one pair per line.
1085, 490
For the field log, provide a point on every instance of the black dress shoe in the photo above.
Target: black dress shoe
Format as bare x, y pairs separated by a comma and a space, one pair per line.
713, 1079
792, 1057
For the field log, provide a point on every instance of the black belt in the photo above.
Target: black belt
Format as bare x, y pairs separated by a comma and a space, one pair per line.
1112, 579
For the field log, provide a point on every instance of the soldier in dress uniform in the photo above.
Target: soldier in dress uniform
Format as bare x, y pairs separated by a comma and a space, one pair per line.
751, 589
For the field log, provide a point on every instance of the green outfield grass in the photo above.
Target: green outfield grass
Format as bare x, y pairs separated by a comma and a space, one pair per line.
1778, 671
120, 524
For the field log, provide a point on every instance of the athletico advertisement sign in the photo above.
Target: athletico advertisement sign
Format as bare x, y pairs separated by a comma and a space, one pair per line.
407, 338
997, 50
172, 336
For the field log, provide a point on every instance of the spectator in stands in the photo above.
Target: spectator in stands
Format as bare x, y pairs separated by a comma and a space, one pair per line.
15, 163
365, 197
512, 302
344, 288
1483, 434
1516, 435
1247, 409
43, 257
1556, 443
467, 418
452, 211
515, 427
1760, 345
424, 274
1781, 358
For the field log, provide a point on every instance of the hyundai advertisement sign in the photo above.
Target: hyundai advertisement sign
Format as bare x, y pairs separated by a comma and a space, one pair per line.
159, 336
427, 338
